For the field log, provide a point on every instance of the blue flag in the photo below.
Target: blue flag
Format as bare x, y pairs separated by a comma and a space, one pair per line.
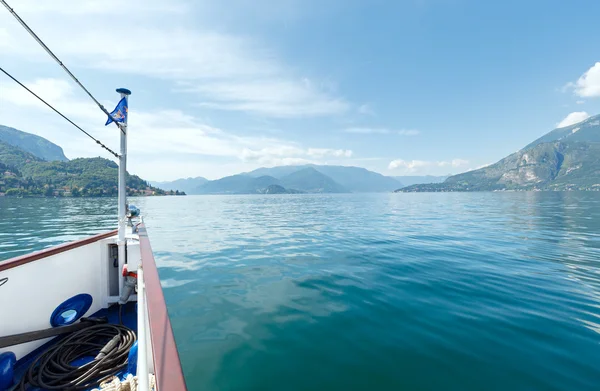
119, 113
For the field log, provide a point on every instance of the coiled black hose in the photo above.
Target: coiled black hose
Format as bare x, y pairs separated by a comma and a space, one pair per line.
52, 370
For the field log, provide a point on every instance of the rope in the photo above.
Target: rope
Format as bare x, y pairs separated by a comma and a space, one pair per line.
59, 113
63, 66
128, 384
52, 370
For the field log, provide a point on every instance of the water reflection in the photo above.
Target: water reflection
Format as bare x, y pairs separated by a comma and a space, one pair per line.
364, 291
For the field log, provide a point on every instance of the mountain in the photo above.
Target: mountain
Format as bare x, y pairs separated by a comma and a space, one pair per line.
312, 178
588, 130
15, 157
408, 180
354, 179
236, 184
359, 180
563, 159
24, 174
276, 172
36, 145
187, 185
307, 180
311, 181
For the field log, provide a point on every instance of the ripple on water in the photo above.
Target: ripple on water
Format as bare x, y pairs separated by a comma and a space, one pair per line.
484, 291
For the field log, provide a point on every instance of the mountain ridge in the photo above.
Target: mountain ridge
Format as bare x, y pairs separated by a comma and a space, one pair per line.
184, 184
353, 179
311, 180
307, 180
586, 130
236, 184
25, 175
562, 159
36, 145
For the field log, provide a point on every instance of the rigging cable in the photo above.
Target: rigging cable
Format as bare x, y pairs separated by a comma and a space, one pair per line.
59, 113
42, 44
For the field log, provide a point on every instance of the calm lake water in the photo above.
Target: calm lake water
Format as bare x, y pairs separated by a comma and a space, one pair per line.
479, 291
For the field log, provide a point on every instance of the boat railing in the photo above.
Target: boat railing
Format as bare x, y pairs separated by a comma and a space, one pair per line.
142, 364
156, 323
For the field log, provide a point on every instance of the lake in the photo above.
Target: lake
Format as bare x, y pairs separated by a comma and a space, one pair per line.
441, 291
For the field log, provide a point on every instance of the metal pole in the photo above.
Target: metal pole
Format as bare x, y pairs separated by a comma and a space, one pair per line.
122, 190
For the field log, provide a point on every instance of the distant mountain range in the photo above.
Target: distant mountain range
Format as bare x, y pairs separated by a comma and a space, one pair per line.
305, 180
33, 166
236, 184
311, 180
564, 159
292, 179
187, 185
352, 179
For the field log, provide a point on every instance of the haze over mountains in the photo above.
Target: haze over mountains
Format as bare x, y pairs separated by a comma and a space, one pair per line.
353, 179
24, 155
564, 159
303, 178
187, 185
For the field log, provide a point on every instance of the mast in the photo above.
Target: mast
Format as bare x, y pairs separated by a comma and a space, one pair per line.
122, 186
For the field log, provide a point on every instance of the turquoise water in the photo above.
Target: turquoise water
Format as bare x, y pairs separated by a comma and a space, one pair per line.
480, 291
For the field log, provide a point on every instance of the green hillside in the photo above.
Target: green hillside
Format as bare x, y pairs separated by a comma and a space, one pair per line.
548, 166
566, 158
23, 174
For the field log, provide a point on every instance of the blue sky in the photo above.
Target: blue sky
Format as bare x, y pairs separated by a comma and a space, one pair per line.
221, 87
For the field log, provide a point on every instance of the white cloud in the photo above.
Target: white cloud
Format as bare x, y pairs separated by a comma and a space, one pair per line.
411, 165
365, 130
366, 109
414, 166
207, 67
408, 132
153, 136
458, 162
274, 98
58, 92
580, 102
588, 85
360, 130
291, 155
270, 157
324, 152
573, 118
221, 71
100, 7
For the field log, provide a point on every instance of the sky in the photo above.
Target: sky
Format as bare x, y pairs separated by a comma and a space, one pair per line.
404, 87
